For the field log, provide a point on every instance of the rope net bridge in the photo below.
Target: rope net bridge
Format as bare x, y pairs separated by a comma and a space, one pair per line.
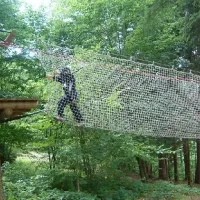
126, 96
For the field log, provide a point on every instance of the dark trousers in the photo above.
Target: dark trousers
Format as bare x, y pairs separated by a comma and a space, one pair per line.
67, 99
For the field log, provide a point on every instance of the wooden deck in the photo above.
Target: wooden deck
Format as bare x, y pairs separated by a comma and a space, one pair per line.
13, 107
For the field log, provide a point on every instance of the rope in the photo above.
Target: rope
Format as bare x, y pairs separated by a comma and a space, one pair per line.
131, 62
5, 31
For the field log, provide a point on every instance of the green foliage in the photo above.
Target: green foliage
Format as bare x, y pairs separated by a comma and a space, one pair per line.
64, 180
94, 161
96, 24
18, 68
18, 74
12, 137
156, 31
21, 180
29, 180
168, 34
8, 9
24, 180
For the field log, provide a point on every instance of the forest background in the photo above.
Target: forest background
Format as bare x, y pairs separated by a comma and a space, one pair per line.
41, 160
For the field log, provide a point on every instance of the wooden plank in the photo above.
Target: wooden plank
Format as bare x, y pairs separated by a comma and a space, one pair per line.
12, 107
18, 99
18, 103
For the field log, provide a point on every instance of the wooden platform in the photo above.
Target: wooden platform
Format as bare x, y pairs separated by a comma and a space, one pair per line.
13, 107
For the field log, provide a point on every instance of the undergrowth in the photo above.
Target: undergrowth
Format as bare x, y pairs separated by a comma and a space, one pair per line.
25, 181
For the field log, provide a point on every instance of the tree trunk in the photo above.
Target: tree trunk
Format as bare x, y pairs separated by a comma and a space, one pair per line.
176, 176
175, 159
141, 168
197, 171
145, 168
162, 164
186, 151
149, 170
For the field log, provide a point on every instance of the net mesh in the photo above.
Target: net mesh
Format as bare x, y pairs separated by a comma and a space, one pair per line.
126, 96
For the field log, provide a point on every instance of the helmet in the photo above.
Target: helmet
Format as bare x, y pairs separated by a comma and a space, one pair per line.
65, 70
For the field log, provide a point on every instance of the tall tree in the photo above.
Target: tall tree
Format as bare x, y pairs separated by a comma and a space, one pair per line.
19, 73
175, 160
186, 151
197, 171
97, 24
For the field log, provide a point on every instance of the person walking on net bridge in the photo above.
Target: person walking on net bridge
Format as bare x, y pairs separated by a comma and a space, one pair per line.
67, 79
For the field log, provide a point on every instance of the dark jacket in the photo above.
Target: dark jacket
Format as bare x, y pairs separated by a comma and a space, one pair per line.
68, 82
